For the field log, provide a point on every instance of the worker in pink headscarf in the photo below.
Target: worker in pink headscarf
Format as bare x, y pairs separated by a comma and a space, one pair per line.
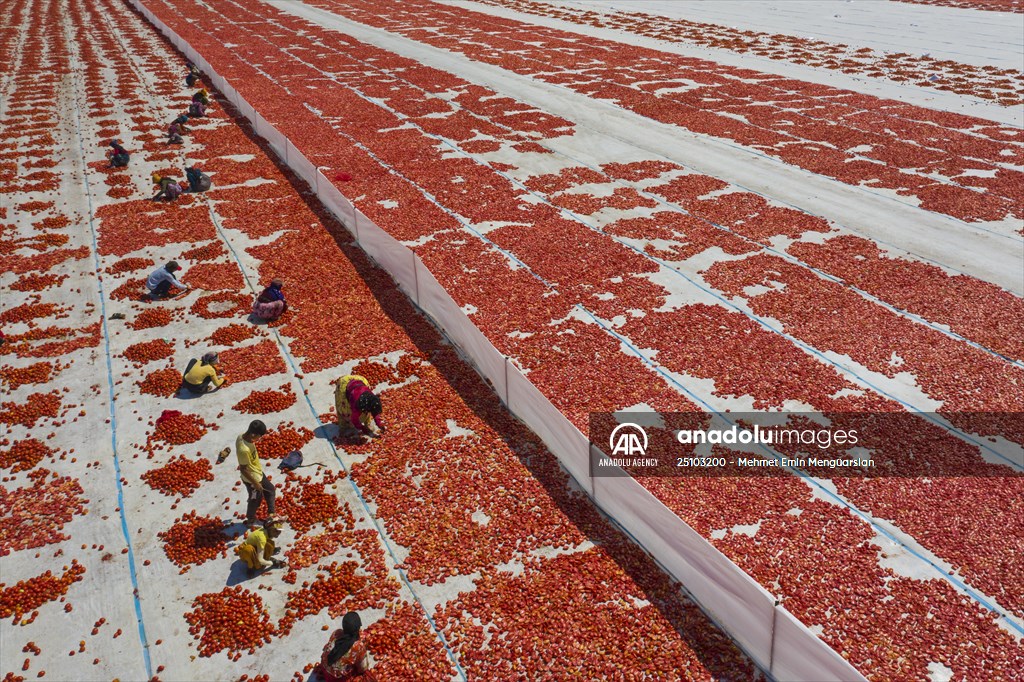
357, 406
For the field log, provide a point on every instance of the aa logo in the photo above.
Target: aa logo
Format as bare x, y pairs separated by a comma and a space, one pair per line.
628, 440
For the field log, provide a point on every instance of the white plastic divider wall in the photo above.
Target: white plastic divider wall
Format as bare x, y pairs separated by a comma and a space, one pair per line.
776, 641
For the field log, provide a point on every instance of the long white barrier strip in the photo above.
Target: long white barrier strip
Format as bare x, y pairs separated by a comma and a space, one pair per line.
563, 439
335, 201
741, 607
435, 301
775, 640
397, 260
303, 168
799, 654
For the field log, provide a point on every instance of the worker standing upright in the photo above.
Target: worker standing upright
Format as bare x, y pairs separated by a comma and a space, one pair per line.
257, 485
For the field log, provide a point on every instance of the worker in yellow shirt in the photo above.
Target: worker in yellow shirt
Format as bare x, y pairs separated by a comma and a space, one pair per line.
257, 550
359, 409
257, 485
203, 375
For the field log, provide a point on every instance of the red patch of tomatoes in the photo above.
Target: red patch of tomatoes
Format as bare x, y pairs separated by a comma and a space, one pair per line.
232, 334
215, 619
35, 282
179, 429
149, 351
266, 402
38, 406
306, 503
153, 317
252, 362
38, 373
161, 382
24, 454
181, 476
34, 516
28, 595
407, 648
194, 540
211, 251
333, 589
282, 440
222, 305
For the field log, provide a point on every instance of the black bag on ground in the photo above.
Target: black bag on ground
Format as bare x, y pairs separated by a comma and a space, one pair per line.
293, 460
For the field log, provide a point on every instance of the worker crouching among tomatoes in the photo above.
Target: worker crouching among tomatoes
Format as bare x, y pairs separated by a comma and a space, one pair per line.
257, 550
345, 657
270, 304
359, 409
202, 376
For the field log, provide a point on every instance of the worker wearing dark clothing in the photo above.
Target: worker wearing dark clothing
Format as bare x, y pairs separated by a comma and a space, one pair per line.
198, 181
118, 155
200, 101
193, 75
